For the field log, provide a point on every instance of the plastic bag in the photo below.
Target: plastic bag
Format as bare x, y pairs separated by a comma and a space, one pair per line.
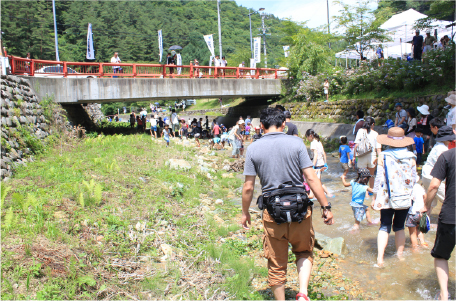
425, 223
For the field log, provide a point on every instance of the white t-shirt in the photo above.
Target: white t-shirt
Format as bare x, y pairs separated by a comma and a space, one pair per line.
217, 63
223, 63
418, 193
143, 113
153, 122
115, 60
372, 136
174, 118
316, 145
432, 158
451, 117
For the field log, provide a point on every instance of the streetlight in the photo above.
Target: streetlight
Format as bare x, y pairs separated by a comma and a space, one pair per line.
263, 28
219, 28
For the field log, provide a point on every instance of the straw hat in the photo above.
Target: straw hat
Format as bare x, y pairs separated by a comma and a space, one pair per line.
424, 110
451, 99
395, 138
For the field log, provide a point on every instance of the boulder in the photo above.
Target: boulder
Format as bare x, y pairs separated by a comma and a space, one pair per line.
178, 164
334, 245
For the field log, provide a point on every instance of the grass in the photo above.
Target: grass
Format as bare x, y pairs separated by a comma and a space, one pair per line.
208, 104
90, 222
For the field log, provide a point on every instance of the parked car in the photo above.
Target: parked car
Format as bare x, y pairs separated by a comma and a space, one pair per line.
57, 71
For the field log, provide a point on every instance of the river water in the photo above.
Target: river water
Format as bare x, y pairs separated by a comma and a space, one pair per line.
411, 279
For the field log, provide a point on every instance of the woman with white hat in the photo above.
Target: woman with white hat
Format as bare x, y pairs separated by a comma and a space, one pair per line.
424, 124
396, 176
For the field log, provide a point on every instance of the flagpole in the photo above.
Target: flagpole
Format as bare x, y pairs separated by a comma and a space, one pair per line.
55, 33
219, 28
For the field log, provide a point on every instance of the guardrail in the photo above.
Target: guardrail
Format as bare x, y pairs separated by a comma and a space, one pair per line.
43, 68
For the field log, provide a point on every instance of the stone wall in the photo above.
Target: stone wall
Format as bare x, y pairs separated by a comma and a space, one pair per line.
344, 111
22, 121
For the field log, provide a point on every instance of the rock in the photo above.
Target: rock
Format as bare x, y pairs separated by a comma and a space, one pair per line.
226, 168
208, 175
207, 202
227, 175
337, 246
178, 164
8, 121
23, 119
167, 250
99, 237
60, 215
219, 202
15, 121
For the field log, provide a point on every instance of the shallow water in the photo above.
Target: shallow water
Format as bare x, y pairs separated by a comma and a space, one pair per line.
411, 279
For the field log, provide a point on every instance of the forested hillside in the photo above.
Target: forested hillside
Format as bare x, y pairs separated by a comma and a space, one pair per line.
130, 27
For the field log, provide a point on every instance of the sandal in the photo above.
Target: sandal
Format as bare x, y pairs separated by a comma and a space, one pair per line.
425, 245
301, 295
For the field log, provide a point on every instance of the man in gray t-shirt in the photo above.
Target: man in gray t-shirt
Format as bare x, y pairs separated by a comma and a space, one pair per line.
401, 117
278, 158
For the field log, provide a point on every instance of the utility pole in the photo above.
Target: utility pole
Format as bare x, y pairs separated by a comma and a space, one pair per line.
219, 29
251, 45
55, 33
327, 9
264, 28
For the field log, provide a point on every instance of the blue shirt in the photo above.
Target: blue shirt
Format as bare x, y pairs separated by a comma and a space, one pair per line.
358, 192
344, 150
419, 144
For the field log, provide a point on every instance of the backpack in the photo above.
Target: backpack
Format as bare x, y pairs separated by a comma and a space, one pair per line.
364, 146
399, 181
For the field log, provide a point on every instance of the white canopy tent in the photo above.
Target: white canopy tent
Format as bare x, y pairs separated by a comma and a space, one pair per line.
400, 28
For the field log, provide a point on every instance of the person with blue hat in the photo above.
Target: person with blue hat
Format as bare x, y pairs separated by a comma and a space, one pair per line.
401, 117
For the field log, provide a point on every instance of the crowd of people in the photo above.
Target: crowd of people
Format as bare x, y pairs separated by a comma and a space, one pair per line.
387, 168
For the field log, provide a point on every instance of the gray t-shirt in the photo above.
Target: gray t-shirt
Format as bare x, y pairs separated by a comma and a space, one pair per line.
400, 114
277, 158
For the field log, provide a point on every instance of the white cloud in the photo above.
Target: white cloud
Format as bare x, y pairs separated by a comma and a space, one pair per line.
312, 11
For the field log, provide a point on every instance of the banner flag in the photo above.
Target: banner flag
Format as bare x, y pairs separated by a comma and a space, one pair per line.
257, 49
252, 65
210, 43
90, 51
179, 63
286, 50
160, 44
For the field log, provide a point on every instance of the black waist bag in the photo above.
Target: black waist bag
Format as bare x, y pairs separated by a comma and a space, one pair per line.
285, 204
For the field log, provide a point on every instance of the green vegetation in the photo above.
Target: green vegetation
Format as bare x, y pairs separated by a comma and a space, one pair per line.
208, 104
92, 221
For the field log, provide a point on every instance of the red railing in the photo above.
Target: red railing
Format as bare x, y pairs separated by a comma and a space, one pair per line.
32, 67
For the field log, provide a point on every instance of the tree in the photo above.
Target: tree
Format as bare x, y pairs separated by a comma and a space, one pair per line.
360, 29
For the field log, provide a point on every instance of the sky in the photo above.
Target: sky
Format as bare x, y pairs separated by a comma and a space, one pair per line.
312, 11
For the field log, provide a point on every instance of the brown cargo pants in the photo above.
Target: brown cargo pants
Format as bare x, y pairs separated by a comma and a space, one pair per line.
301, 236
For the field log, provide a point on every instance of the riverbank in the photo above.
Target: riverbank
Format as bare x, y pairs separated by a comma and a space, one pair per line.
110, 217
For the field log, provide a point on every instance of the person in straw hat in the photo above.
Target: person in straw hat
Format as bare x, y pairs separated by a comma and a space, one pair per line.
451, 117
396, 176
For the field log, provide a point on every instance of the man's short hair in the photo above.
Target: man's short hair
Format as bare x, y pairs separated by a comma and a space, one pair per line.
436, 122
272, 117
287, 114
360, 114
173, 110
418, 129
280, 107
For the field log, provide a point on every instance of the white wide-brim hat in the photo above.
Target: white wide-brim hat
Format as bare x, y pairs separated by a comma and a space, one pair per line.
424, 109
451, 99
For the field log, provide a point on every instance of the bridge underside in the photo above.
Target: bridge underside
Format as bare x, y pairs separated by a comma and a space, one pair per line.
99, 90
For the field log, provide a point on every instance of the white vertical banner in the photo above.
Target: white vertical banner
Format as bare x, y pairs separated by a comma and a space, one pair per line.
210, 43
160, 44
179, 63
257, 49
252, 65
90, 51
210, 63
286, 50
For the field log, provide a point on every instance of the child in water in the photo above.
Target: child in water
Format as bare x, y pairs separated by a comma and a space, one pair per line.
166, 133
359, 189
413, 216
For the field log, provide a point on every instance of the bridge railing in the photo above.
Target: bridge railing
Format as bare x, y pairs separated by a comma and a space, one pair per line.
32, 67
